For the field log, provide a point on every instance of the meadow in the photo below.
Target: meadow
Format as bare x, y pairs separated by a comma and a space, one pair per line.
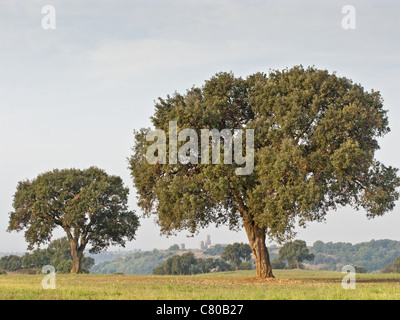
240, 285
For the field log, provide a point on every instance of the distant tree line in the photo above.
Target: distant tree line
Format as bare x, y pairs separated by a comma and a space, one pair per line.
141, 262
10, 263
234, 257
215, 250
57, 254
186, 264
372, 256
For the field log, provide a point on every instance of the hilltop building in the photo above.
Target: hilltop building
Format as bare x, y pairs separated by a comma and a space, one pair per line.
204, 245
201, 245
208, 242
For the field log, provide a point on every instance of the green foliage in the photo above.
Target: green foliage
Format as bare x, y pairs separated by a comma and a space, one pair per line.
388, 268
10, 263
148, 262
273, 252
87, 264
215, 250
178, 265
211, 265
57, 254
315, 138
359, 269
104, 256
295, 253
236, 253
220, 265
245, 265
64, 266
134, 263
278, 264
36, 259
158, 270
373, 255
396, 265
186, 264
89, 205
174, 247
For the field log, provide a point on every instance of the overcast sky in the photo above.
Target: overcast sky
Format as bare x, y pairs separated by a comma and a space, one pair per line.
71, 97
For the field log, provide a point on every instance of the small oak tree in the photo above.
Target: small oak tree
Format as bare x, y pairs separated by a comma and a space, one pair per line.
236, 253
315, 136
295, 252
396, 265
89, 205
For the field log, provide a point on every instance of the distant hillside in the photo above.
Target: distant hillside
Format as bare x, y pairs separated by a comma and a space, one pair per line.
372, 255
143, 262
107, 255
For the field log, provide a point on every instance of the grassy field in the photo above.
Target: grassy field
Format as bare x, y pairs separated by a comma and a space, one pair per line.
242, 285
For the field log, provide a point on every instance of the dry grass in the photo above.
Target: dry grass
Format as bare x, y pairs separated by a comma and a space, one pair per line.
242, 285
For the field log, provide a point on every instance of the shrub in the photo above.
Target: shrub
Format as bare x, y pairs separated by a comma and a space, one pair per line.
246, 265
278, 264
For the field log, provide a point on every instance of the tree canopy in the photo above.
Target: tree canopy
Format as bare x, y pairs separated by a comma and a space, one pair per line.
236, 253
373, 255
89, 205
315, 138
187, 264
57, 254
10, 263
295, 252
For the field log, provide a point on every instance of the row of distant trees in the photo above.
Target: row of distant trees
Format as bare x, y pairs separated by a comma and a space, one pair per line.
186, 264
235, 256
142, 262
57, 254
373, 255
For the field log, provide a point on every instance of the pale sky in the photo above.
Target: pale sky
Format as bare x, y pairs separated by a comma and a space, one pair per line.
71, 97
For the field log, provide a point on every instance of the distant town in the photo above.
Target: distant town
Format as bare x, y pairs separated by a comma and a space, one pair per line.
202, 244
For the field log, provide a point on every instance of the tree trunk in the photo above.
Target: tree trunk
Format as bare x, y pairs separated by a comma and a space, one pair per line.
77, 255
256, 238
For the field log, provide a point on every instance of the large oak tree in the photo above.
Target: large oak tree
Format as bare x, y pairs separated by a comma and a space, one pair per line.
315, 140
89, 205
